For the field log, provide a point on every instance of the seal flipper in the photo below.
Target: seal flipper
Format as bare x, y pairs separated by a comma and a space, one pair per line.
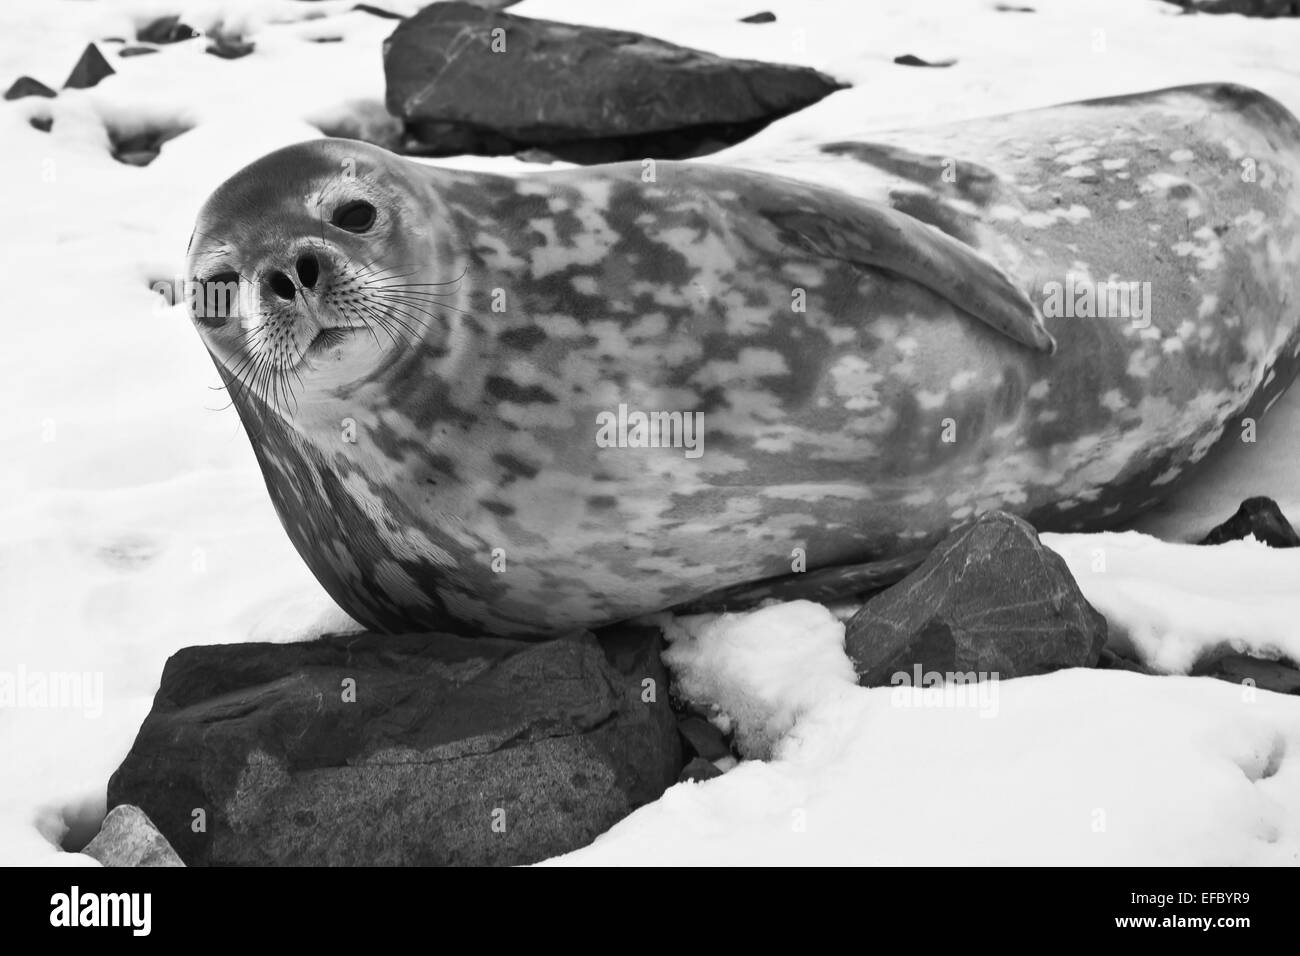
868, 234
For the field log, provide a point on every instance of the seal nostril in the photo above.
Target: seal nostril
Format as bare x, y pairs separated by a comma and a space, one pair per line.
308, 270
281, 285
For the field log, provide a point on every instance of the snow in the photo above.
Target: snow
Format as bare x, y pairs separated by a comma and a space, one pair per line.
136, 522
1080, 767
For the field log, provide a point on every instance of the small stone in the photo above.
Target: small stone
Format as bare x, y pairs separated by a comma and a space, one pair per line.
377, 12
703, 739
129, 838
699, 770
229, 47
137, 50
908, 59
166, 30
26, 86
765, 17
1261, 518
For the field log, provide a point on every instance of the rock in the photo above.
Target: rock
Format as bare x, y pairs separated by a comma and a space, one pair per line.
989, 599
588, 92
42, 123
703, 739
228, 46
1248, 8
1260, 517
166, 30
142, 146
129, 838
699, 770
90, 69
908, 59
419, 749
765, 17
377, 12
1008, 8
26, 86
1238, 668
1111, 661
137, 50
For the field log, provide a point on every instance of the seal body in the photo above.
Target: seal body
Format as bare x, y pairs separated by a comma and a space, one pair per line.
466, 419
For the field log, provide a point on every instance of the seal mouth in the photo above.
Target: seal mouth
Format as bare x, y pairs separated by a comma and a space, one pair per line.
326, 339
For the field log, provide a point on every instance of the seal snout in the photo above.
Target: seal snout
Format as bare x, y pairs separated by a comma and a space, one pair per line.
306, 268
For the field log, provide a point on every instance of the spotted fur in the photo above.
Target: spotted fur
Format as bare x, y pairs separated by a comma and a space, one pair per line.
473, 496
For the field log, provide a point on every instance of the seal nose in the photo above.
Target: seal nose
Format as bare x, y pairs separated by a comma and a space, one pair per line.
308, 270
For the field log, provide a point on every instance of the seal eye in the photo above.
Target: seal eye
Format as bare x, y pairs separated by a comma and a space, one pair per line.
219, 300
355, 216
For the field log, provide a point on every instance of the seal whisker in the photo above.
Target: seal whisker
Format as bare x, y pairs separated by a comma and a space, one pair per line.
413, 300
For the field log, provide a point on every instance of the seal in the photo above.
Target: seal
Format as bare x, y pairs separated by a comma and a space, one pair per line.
522, 405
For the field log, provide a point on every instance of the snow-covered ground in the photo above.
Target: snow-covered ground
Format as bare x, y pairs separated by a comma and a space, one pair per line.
135, 520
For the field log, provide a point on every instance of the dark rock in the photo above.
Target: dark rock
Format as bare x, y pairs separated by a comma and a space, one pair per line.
1248, 8
990, 599
1259, 517
765, 17
166, 30
606, 94
377, 12
454, 750
699, 770
141, 147
1276, 676
42, 123
90, 69
1111, 661
137, 50
908, 59
228, 46
703, 739
26, 86
1008, 8
129, 838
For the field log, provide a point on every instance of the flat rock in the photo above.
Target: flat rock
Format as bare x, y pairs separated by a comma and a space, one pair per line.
419, 749
378, 12
1260, 518
1277, 676
129, 838
558, 85
989, 599
1247, 8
